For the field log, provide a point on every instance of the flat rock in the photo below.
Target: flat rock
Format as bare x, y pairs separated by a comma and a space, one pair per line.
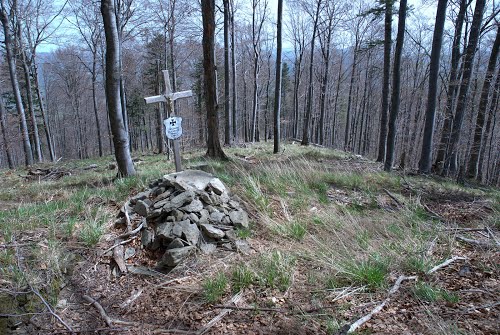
147, 238
208, 248
164, 195
239, 218
140, 196
173, 257
217, 186
196, 179
212, 232
194, 206
217, 217
129, 253
242, 246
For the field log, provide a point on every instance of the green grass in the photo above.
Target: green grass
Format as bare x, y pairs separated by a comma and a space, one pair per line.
275, 270
371, 273
241, 278
214, 288
426, 292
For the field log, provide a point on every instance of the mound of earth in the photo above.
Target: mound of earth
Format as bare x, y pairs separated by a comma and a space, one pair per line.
186, 211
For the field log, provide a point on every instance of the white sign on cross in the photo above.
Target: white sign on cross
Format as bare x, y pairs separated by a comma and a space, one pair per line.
169, 97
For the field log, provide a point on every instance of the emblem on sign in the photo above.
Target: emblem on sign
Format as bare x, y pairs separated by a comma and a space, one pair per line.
173, 127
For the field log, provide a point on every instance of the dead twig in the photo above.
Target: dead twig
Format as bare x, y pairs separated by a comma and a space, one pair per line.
118, 257
393, 197
109, 321
234, 300
131, 299
445, 263
478, 243
116, 245
378, 308
133, 232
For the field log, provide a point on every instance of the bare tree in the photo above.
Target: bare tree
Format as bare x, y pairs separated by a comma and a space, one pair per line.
113, 94
5, 18
4, 134
227, 107
208, 13
437, 41
277, 88
483, 103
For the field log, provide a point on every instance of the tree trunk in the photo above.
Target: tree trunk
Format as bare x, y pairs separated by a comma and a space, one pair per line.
491, 116
233, 74
396, 83
48, 133
28, 156
430, 113
349, 98
227, 107
470, 52
308, 114
4, 134
29, 95
385, 85
483, 103
113, 96
208, 13
452, 87
277, 88
324, 85
94, 100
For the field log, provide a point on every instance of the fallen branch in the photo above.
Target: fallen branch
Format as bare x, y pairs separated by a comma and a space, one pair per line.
478, 243
235, 299
393, 197
116, 245
492, 235
378, 308
99, 308
445, 263
133, 232
109, 321
131, 299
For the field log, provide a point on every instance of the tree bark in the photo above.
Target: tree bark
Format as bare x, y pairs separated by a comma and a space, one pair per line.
4, 17
277, 89
208, 13
464, 86
308, 114
430, 114
385, 85
43, 111
10, 162
483, 103
233, 76
113, 96
227, 106
396, 83
94, 101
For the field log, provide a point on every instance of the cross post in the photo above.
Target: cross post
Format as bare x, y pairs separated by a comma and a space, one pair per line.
169, 97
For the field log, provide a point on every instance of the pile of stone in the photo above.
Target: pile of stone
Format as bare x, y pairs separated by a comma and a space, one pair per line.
186, 211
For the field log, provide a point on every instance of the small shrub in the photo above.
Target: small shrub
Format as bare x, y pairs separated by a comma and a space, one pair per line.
296, 230
416, 264
243, 233
371, 273
242, 277
214, 288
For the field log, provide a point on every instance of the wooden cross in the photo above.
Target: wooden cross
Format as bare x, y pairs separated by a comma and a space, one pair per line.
169, 97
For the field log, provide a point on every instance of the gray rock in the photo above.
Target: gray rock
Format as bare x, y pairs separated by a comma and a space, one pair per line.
194, 218
157, 191
192, 178
228, 246
141, 208
242, 246
210, 209
217, 186
234, 204
147, 238
154, 214
140, 196
165, 230
194, 206
171, 218
206, 198
164, 195
239, 218
224, 198
226, 220
181, 199
212, 232
148, 202
178, 215
187, 231
217, 217
176, 243
173, 257
207, 248
231, 235
129, 253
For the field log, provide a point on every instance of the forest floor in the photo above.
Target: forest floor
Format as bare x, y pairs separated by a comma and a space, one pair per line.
331, 235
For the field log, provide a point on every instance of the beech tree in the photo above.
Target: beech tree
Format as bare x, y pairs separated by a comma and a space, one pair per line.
437, 40
113, 92
214, 149
277, 88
